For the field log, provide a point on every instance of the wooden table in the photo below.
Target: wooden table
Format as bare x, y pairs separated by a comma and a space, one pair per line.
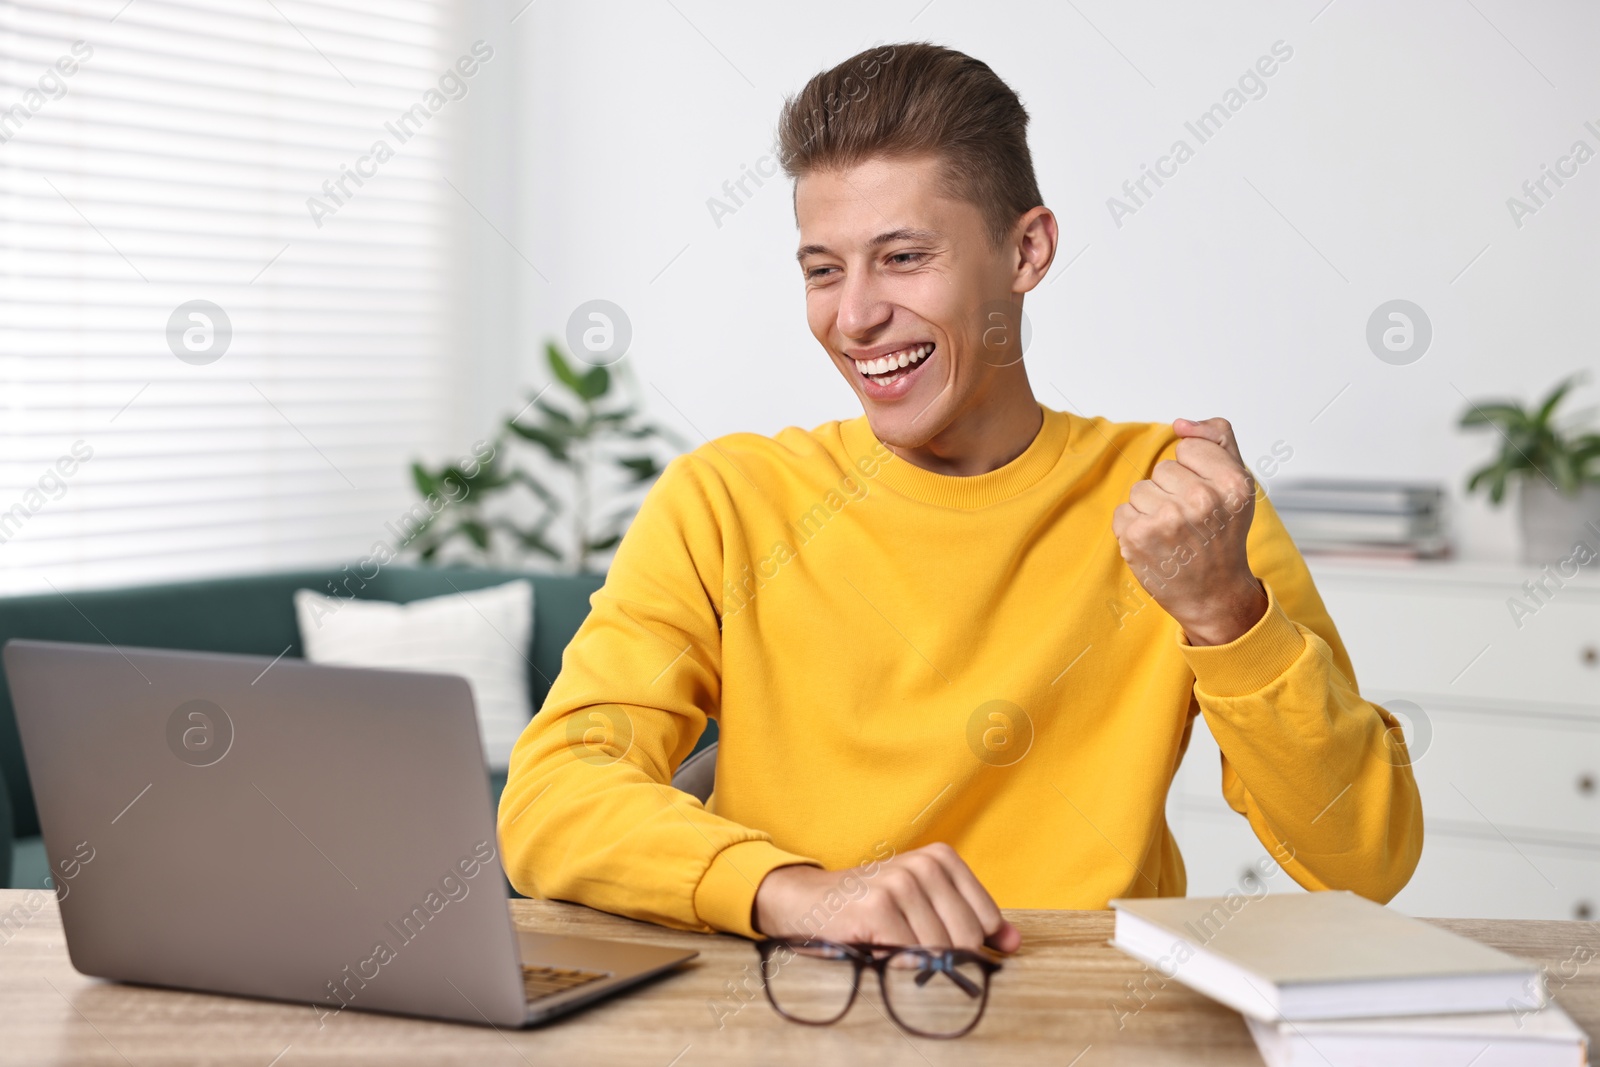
1057, 1002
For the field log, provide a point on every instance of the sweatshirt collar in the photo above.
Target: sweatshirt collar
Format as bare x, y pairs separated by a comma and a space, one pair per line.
964, 492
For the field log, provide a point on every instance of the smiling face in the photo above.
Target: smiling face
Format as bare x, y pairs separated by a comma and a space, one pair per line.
907, 296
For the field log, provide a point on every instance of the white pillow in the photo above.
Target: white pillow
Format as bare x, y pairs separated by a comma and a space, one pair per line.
483, 635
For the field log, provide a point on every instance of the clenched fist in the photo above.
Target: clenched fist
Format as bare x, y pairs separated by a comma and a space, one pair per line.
1183, 531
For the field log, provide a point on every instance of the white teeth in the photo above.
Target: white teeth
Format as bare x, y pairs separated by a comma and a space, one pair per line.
904, 358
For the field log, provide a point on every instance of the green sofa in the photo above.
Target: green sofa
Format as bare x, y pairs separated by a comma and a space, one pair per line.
251, 614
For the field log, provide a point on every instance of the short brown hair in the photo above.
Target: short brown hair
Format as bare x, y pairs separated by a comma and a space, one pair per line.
918, 99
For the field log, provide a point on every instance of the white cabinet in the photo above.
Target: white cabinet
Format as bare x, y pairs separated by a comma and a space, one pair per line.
1505, 742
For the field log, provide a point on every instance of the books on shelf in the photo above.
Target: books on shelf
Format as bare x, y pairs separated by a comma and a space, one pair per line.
1344, 494
1380, 518
1356, 526
1333, 979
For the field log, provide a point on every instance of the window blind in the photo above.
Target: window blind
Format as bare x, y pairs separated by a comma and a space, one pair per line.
221, 306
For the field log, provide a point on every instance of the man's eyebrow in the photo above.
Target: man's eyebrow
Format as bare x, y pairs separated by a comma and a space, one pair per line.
902, 234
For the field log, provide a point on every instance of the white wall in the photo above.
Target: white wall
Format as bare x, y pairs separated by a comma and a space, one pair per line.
1389, 143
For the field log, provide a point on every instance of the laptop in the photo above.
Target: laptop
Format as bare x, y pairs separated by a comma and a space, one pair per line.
288, 830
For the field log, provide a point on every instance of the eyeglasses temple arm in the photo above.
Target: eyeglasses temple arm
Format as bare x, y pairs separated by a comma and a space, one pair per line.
966, 985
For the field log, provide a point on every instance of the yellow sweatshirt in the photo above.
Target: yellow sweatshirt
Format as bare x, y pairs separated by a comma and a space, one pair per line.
896, 657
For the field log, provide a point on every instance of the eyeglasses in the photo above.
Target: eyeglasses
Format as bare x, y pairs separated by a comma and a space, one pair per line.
930, 992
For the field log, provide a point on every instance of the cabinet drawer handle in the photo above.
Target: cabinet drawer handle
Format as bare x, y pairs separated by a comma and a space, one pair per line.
1586, 784
1583, 910
1590, 656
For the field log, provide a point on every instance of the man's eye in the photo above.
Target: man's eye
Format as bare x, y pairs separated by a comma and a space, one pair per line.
904, 258
816, 272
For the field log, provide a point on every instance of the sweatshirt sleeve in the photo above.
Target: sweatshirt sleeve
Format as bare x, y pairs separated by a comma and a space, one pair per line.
588, 813
1322, 774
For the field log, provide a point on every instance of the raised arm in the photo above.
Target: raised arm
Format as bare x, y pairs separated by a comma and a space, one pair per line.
1321, 773
588, 813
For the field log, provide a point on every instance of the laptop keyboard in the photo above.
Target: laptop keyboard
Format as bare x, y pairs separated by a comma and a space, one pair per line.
541, 982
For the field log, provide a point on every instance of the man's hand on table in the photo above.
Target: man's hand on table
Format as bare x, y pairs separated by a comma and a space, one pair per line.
1183, 532
927, 896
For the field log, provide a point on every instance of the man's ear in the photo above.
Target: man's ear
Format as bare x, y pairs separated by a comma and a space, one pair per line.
1037, 235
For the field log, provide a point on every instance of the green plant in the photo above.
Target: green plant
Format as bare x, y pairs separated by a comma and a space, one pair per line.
587, 431
1532, 444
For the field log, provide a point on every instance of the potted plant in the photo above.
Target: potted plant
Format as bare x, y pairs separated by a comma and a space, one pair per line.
606, 454
1556, 470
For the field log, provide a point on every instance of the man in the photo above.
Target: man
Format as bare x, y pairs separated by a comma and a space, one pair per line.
954, 646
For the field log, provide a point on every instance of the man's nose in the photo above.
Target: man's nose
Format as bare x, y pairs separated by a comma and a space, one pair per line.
862, 308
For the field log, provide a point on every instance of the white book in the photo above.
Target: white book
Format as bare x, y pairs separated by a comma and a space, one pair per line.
1543, 1038
1327, 955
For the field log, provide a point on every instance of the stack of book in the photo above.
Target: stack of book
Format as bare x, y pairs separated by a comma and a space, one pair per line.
1333, 980
1373, 518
